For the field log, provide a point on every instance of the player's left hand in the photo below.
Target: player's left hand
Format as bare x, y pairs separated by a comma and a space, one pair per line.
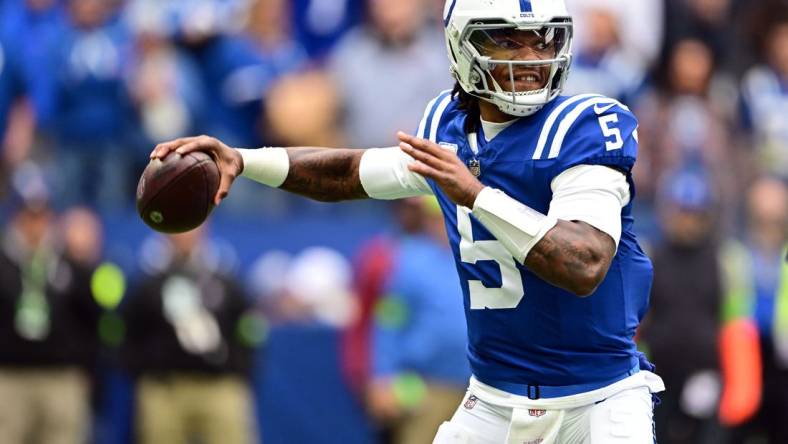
442, 166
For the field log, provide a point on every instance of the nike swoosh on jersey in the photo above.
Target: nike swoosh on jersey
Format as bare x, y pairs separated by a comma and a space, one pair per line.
603, 109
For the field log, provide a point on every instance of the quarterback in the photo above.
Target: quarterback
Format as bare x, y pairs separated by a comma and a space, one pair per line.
536, 192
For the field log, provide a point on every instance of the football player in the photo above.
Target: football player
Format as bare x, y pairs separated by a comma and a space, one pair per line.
536, 191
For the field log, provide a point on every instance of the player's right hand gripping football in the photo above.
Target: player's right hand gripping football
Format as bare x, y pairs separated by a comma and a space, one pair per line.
229, 161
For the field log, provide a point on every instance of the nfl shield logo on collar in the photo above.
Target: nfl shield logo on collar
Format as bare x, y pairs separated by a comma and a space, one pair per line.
475, 167
470, 403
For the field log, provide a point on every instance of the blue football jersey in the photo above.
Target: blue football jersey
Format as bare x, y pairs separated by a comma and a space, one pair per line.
521, 329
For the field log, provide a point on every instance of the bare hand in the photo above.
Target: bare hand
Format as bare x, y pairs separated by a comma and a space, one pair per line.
229, 161
442, 166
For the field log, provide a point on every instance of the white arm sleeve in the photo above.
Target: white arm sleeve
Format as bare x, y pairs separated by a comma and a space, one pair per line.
385, 175
268, 166
518, 227
593, 194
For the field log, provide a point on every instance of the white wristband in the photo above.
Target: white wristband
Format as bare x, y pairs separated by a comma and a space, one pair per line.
518, 227
268, 166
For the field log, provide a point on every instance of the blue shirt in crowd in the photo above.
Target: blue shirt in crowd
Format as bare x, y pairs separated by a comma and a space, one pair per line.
319, 24
91, 102
238, 74
766, 276
27, 36
6, 87
420, 323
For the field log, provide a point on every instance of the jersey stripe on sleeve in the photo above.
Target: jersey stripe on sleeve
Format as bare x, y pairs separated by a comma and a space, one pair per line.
427, 113
437, 113
569, 120
550, 122
426, 123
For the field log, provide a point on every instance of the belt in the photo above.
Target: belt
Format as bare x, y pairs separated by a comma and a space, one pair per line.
533, 391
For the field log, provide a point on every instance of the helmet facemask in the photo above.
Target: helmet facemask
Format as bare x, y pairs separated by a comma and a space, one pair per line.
531, 61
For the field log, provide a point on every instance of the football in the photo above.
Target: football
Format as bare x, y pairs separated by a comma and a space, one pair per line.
175, 194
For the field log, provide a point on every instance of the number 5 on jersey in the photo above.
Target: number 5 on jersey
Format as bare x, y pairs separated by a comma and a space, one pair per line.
611, 131
511, 291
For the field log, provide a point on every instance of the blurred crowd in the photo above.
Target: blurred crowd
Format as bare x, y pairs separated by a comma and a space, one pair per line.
88, 87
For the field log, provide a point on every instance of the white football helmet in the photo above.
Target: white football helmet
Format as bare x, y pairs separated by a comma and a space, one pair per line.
471, 23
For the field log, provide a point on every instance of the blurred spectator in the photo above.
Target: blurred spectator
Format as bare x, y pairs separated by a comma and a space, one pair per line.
757, 291
187, 20
682, 326
6, 97
418, 350
27, 30
311, 287
81, 233
220, 56
238, 70
167, 82
48, 333
372, 266
165, 87
319, 24
30, 28
601, 64
16, 126
639, 27
186, 346
685, 119
6, 87
19, 137
708, 21
309, 99
267, 284
765, 100
251, 64
320, 278
387, 69
93, 120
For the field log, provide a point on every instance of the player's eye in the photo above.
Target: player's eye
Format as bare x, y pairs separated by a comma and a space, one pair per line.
545, 39
509, 44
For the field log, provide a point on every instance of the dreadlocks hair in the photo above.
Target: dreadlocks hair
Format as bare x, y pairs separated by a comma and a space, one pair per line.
470, 105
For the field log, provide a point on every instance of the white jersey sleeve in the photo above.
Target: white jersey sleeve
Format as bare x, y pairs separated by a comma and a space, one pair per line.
593, 194
385, 175
384, 172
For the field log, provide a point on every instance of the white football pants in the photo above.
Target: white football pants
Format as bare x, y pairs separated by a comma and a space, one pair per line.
624, 418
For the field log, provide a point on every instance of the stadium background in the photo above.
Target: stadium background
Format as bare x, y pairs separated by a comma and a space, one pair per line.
88, 87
